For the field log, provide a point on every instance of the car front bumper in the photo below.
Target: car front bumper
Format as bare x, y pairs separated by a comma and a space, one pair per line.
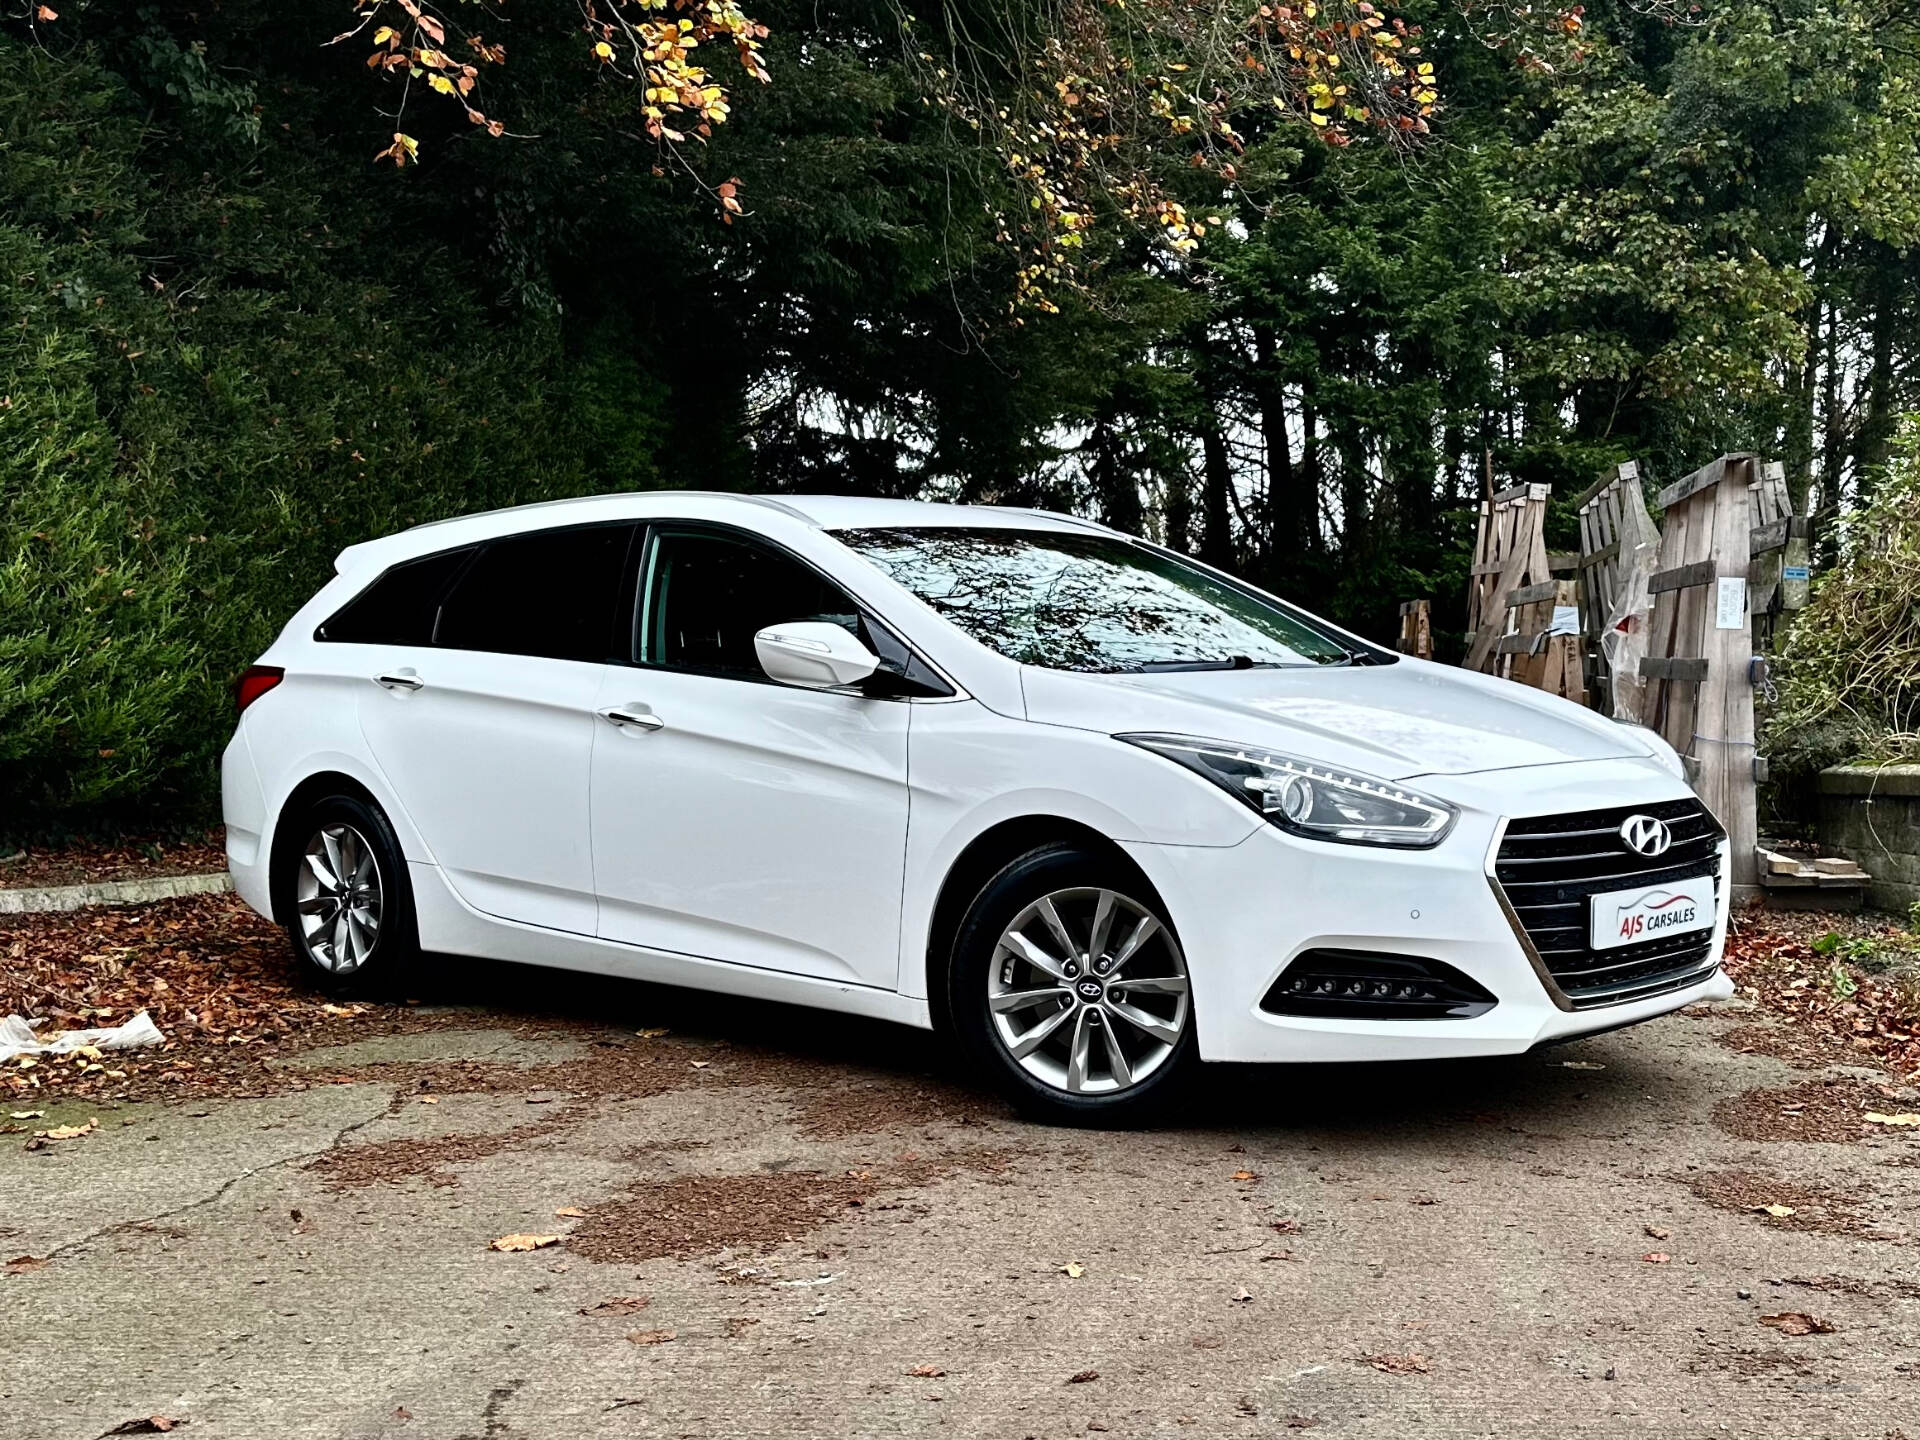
1244, 913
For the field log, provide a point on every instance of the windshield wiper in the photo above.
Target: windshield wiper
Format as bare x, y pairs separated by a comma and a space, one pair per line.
1232, 662
1360, 657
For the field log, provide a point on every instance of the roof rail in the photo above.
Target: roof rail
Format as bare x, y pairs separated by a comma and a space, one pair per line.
1079, 520
761, 500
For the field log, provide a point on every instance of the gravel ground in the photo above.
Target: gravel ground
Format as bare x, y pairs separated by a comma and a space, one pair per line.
753, 1220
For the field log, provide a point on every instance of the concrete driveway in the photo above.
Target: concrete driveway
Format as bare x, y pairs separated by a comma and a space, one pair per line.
772, 1222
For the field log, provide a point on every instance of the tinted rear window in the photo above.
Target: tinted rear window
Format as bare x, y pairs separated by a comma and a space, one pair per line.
553, 593
400, 607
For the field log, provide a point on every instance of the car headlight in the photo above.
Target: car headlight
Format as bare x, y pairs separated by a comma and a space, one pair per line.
1309, 799
1668, 757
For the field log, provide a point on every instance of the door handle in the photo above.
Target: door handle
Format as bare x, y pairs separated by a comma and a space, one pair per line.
638, 716
399, 680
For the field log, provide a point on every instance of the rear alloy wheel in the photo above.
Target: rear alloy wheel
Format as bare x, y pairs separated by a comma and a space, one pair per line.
1073, 989
341, 886
338, 899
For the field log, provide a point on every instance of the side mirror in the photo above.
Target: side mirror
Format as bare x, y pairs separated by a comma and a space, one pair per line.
813, 654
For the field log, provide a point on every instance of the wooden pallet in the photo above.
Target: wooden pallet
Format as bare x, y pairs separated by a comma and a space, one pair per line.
1509, 553
1416, 629
1783, 871
1536, 655
1779, 575
1618, 547
1700, 647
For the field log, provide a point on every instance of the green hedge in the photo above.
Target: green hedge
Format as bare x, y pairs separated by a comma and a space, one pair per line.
208, 386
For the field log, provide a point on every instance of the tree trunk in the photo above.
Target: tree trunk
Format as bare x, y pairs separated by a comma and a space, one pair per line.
1876, 427
1113, 483
1289, 511
1216, 523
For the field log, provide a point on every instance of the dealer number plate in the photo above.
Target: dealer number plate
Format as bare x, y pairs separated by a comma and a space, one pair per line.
1650, 912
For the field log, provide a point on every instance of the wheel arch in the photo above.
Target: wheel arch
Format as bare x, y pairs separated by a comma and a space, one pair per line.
299, 799
990, 852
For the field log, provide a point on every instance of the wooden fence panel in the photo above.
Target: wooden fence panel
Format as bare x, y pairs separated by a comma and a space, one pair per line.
1699, 691
1509, 553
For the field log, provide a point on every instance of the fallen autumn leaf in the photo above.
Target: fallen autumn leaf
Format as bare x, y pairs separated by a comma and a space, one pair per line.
524, 1242
618, 1305
1796, 1322
1398, 1364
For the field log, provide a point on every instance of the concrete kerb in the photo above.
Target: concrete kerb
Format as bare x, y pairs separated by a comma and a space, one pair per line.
50, 899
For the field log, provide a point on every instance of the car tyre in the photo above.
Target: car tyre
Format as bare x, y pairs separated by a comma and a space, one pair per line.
1116, 1044
341, 889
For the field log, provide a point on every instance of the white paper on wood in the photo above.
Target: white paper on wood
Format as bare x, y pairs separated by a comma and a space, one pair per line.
1731, 611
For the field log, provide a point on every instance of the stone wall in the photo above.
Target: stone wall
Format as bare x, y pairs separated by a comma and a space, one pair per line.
1871, 815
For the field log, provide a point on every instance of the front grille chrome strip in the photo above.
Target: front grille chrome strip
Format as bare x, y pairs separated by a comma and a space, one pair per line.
1552, 986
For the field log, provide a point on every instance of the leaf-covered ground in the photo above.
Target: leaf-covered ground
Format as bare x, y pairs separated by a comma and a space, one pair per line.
136, 857
1849, 986
217, 979
550, 1202
221, 984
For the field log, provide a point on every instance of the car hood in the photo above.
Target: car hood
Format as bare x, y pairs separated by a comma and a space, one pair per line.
1395, 721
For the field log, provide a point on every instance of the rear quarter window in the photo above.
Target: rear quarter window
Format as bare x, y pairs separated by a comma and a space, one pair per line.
401, 607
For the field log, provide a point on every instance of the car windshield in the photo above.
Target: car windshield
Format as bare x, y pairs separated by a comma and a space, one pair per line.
1088, 602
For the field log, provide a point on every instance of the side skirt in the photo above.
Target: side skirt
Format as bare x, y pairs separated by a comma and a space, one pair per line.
449, 926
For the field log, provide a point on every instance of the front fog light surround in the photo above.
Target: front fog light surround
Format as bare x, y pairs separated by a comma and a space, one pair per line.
1313, 800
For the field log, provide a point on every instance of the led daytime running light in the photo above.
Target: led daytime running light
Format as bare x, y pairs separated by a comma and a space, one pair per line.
1309, 799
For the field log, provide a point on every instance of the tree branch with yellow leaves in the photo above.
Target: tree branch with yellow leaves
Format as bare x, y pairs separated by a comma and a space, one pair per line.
656, 44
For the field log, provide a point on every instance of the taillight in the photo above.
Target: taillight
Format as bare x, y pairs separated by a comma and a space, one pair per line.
256, 682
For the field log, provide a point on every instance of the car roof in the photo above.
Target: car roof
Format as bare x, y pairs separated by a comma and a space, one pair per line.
823, 512
861, 512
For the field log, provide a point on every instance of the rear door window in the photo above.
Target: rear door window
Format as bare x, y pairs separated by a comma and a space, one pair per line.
399, 608
552, 593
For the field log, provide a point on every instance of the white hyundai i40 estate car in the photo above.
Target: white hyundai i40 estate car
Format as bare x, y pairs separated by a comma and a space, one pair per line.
1101, 812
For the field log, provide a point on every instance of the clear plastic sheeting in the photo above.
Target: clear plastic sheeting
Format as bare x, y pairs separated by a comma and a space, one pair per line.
1624, 640
17, 1037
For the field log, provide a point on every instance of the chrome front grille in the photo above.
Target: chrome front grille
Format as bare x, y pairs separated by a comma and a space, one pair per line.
1547, 869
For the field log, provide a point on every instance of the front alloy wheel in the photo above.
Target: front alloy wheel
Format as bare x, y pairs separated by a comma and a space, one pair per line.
1088, 991
1067, 986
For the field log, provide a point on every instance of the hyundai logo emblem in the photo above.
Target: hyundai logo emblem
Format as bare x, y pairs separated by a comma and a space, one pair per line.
1090, 989
1645, 835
